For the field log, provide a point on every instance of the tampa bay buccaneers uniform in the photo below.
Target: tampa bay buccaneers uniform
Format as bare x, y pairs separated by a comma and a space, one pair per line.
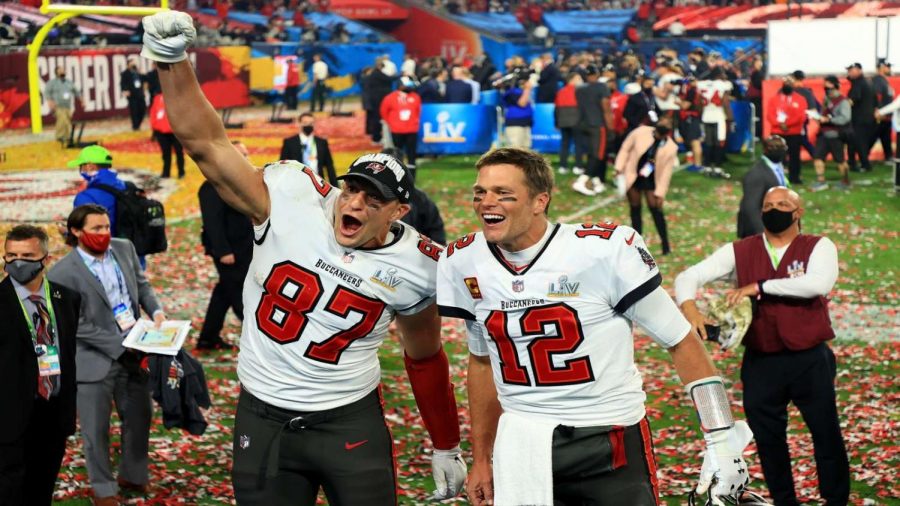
559, 340
556, 332
315, 315
321, 311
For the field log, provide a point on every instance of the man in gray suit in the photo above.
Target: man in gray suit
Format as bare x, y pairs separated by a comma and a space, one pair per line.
766, 173
107, 274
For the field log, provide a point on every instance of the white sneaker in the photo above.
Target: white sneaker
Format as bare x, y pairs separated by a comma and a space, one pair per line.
580, 185
577, 170
599, 187
563, 170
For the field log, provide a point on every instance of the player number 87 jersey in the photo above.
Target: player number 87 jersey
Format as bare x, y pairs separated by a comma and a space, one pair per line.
315, 313
558, 343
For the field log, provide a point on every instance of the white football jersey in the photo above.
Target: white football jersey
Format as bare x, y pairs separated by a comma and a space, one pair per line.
559, 346
315, 312
712, 94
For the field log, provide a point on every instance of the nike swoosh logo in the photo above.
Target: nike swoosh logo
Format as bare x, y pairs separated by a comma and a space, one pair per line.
350, 446
630, 239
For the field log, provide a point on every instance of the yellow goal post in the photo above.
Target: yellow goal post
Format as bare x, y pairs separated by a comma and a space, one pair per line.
63, 12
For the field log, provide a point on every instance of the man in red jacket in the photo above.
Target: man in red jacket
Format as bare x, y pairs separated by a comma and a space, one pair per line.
789, 275
401, 110
167, 141
786, 113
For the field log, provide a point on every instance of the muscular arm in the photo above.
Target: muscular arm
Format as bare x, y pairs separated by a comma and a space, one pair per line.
690, 359
429, 374
200, 131
484, 408
420, 333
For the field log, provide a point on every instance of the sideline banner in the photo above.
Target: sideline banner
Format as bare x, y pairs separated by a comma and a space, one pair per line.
545, 137
223, 73
447, 129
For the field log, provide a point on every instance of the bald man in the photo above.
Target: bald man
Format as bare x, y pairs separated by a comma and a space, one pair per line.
788, 275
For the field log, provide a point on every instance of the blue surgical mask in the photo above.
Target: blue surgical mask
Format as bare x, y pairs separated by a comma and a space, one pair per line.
88, 176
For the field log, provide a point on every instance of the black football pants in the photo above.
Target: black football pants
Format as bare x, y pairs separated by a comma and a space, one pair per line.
283, 457
604, 466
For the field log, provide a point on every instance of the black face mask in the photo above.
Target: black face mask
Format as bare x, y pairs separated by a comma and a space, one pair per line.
307, 129
648, 91
775, 155
777, 221
787, 89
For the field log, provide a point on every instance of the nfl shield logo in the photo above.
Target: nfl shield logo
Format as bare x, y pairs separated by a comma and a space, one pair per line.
244, 442
518, 285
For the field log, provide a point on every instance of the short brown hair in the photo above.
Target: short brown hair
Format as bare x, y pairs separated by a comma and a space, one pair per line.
26, 232
77, 218
537, 170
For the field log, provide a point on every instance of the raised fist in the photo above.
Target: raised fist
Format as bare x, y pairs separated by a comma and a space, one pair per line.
167, 35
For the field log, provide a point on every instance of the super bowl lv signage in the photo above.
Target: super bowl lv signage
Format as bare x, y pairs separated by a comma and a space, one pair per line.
456, 128
223, 73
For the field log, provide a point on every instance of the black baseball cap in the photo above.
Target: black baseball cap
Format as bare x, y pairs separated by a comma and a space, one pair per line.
591, 70
883, 61
834, 81
387, 174
856, 65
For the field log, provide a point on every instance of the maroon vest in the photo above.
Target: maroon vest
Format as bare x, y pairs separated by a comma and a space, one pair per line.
781, 323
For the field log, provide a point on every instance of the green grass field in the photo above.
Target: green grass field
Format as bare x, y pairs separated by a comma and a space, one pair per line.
701, 212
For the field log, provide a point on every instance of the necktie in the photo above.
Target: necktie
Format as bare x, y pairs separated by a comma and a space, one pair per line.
779, 171
42, 329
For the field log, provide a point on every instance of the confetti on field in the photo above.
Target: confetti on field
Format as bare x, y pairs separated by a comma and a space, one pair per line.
196, 469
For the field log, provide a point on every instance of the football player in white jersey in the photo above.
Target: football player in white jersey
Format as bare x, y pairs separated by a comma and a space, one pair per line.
549, 310
331, 269
715, 95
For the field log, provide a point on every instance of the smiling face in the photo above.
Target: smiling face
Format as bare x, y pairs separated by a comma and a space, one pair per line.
362, 217
510, 216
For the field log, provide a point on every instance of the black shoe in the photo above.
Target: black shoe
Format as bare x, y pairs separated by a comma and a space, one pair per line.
214, 344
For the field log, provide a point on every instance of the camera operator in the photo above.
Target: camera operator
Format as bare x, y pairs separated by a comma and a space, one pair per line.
518, 112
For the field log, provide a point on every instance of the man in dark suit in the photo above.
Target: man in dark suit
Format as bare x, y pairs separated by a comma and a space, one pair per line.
309, 149
37, 370
458, 90
228, 239
766, 173
108, 276
549, 80
132, 85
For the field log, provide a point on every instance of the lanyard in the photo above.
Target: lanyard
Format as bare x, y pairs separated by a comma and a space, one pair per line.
31, 329
123, 293
773, 254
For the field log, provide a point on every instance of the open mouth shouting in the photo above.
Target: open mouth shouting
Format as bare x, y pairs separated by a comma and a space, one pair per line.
350, 225
492, 219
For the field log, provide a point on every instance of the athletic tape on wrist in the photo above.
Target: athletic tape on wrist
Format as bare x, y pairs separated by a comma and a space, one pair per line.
711, 402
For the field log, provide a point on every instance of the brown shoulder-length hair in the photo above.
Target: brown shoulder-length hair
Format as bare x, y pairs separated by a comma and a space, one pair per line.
77, 218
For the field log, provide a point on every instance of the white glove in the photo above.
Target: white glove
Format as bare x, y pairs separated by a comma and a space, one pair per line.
167, 35
723, 464
449, 471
